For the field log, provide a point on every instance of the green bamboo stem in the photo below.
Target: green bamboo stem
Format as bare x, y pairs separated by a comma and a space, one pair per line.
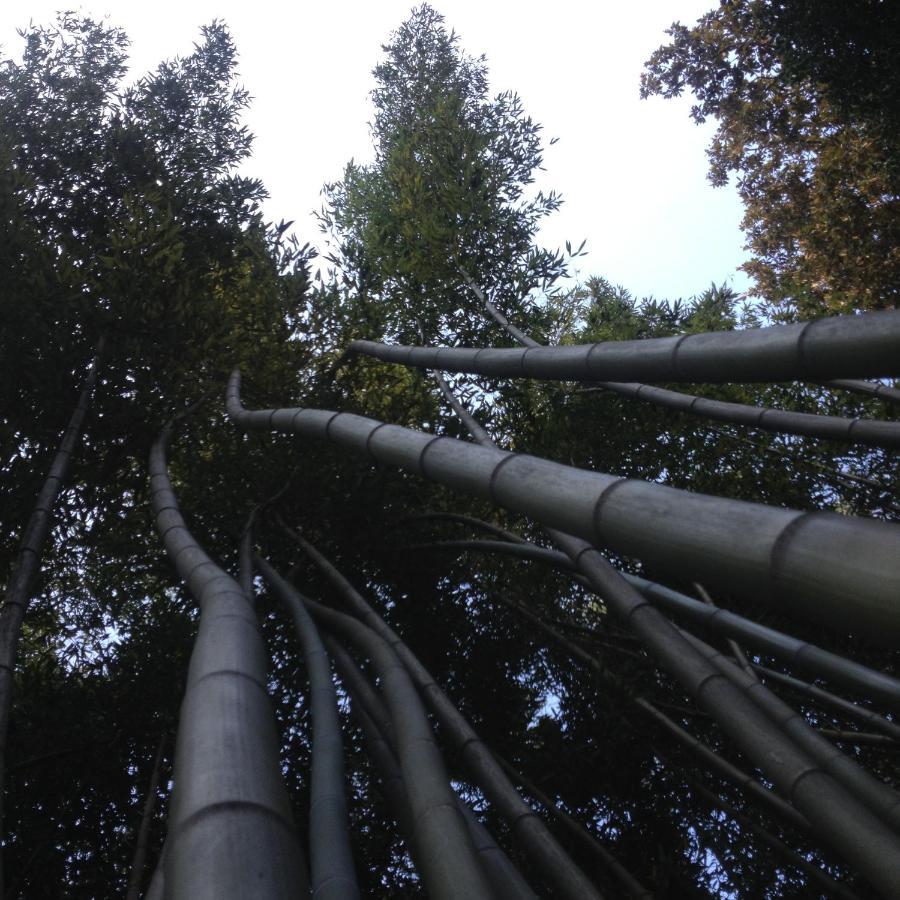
21, 581
142, 844
825, 881
331, 859
872, 432
707, 757
865, 345
820, 564
831, 701
580, 832
879, 686
875, 795
506, 880
450, 868
882, 391
736, 650
231, 831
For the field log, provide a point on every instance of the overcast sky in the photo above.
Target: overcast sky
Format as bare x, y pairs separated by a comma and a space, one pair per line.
632, 172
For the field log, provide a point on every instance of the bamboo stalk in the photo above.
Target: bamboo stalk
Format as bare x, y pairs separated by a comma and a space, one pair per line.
833, 567
231, 831
878, 685
139, 860
331, 859
865, 345
872, 432
838, 704
20, 584
450, 868
831, 887
882, 391
506, 880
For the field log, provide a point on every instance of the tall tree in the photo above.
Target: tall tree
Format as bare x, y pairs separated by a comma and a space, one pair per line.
805, 99
449, 189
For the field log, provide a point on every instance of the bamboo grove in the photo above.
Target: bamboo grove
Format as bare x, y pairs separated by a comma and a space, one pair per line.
423, 576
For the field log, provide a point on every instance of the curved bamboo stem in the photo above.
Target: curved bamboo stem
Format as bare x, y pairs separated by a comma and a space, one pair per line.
708, 757
882, 391
821, 564
830, 886
878, 797
864, 345
21, 581
838, 704
506, 880
877, 685
634, 888
450, 868
231, 830
480, 524
873, 432
331, 859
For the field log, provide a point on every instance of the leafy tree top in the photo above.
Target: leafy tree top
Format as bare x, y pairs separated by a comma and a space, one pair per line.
446, 193
808, 124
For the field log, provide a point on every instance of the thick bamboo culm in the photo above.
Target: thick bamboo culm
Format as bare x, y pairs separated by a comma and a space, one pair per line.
230, 825
837, 568
866, 345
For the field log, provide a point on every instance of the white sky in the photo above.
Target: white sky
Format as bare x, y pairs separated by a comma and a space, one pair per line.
632, 172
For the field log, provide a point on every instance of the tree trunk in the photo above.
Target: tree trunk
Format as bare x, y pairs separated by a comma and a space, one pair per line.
22, 578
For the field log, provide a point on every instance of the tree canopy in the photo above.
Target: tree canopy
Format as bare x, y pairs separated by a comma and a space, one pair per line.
804, 97
129, 237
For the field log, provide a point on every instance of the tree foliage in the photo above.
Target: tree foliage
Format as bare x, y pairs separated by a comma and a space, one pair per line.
804, 95
122, 216
448, 189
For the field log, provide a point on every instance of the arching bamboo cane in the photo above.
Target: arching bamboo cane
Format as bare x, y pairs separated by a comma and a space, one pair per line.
506, 880
861, 345
831, 566
142, 844
480, 524
450, 868
776, 745
625, 879
526, 826
714, 762
331, 859
736, 650
882, 391
20, 583
231, 830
